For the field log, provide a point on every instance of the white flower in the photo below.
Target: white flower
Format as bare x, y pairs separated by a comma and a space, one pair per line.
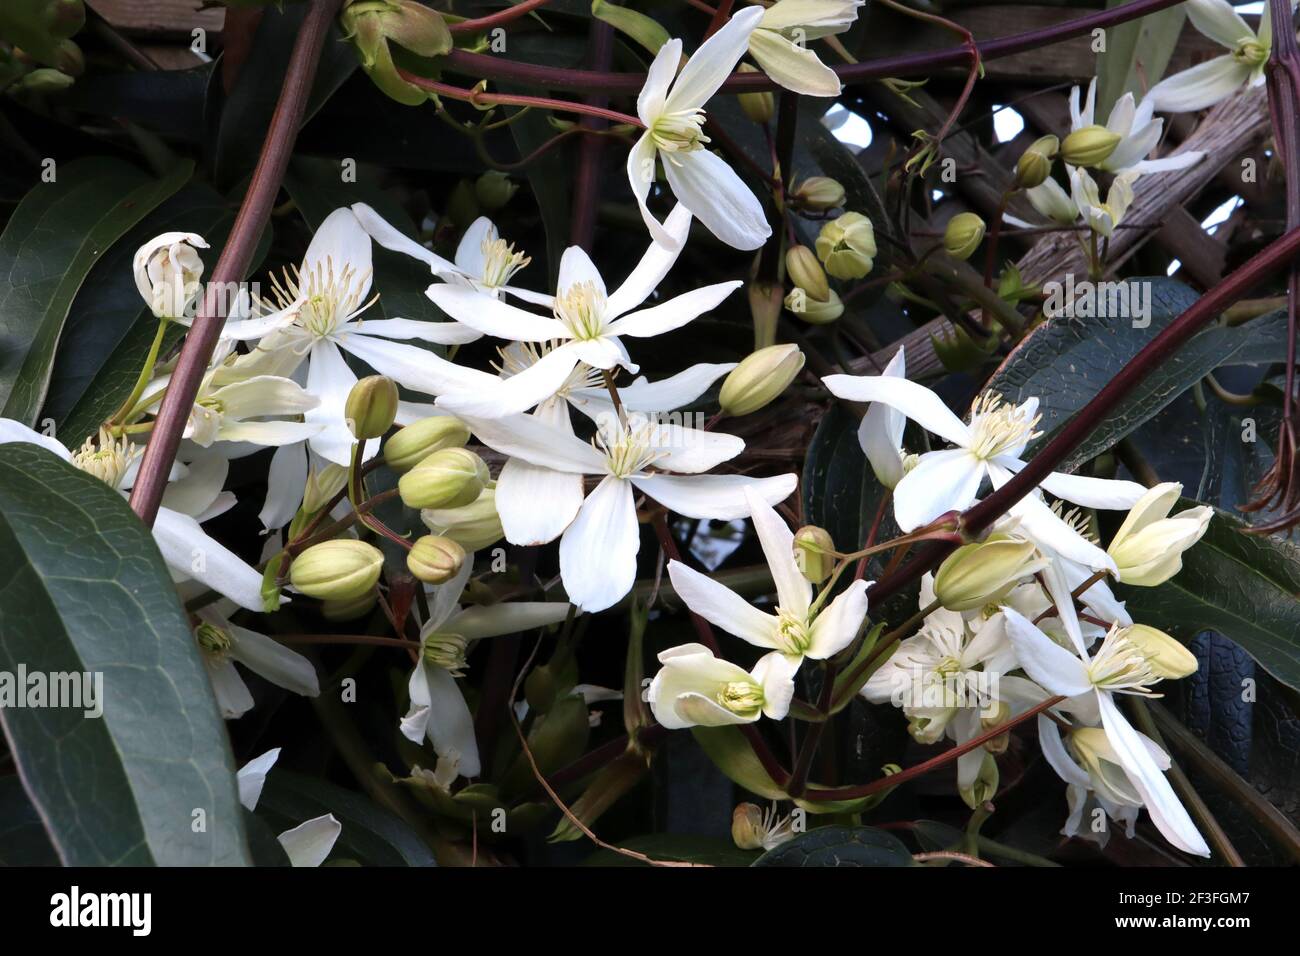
990, 446
167, 270
601, 535
318, 315
780, 42
438, 709
1118, 667
1051, 201
673, 114
1102, 217
796, 630
1148, 547
1214, 80
587, 325
222, 644
188, 550
1138, 131
881, 431
696, 689
307, 844
484, 261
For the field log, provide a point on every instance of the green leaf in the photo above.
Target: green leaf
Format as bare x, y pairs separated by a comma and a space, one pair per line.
1136, 56
84, 591
1066, 361
56, 234
109, 329
370, 834
840, 846
23, 841
1246, 586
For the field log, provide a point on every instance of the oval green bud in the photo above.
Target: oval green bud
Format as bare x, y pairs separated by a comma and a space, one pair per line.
349, 610
760, 378
322, 486
473, 526
1035, 163
812, 311
1090, 146
847, 246
371, 407
818, 194
494, 189
806, 272
434, 559
759, 107
984, 572
417, 441
964, 233
340, 570
446, 479
814, 553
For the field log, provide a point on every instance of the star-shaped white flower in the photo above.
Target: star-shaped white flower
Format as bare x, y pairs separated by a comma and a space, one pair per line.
696, 689
673, 113
222, 644
1138, 130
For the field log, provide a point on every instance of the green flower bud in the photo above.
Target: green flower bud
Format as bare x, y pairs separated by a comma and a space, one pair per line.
1166, 657
349, 610
985, 786
1035, 163
494, 189
446, 479
1090, 146
417, 441
764, 311
371, 24
813, 549
964, 233
806, 272
984, 572
473, 526
759, 107
43, 80
812, 311
322, 487
760, 378
817, 194
435, 559
847, 246
371, 407
339, 570
1001, 714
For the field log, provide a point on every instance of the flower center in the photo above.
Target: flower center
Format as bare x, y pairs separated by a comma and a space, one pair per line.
329, 296
1251, 52
629, 450
501, 262
679, 132
741, 697
582, 310
446, 651
108, 461
212, 640
998, 428
1120, 665
792, 633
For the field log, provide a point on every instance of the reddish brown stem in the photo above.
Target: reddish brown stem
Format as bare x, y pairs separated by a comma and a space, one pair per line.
496, 19
235, 260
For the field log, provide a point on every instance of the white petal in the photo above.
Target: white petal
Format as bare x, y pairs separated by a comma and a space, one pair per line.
1043, 659
536, 504
1167, 812
233, 698
793, 590
285, 482
650, 101
941, 481
598, 551
470, 258
1107, 493
451, 726
517, 393
388, 236
524, 436
1200, 86
669, 393
576, 267
280, 665
721, 606
654, 265
491, 316
691, 450
713, 496
195, 493
674, 313
340, 243
1049, 739
1169, 164
330, 380
915, 401
836, 626
713, 61
1048, 529
251, 777
794, 66
881, 432
718, 198
1219, 21
12, 431
439, 333
641, 176
507, 617
308, 844
188, 549
775, 672
413, 367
